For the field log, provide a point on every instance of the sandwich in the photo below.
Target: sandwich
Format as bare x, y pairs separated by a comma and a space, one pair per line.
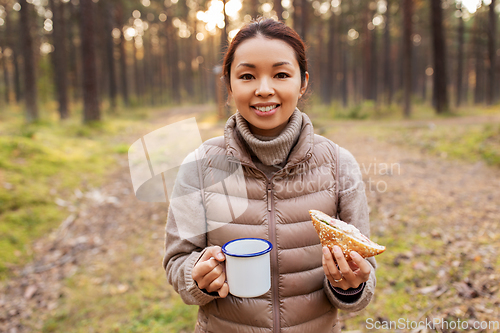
335, 232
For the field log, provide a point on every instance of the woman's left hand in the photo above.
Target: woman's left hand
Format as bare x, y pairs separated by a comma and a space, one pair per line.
347, 274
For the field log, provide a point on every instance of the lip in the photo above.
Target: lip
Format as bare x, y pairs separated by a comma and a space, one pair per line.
265, 104
265, 114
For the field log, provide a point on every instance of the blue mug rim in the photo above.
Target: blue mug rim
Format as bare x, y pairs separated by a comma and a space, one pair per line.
247, 255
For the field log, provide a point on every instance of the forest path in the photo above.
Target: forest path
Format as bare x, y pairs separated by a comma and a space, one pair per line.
114, 242
441, 219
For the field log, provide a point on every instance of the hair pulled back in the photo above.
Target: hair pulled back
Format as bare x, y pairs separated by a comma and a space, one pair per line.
271, 29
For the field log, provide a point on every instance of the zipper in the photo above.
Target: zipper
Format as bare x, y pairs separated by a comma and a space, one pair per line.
269, 197
274, 259
274, 252
272, 238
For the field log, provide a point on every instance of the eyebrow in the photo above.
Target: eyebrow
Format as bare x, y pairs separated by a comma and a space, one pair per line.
246, 64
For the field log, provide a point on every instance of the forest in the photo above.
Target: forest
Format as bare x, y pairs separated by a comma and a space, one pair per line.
105, 54
410, 84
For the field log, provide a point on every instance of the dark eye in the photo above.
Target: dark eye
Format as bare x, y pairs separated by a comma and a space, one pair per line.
282, 75
246, 77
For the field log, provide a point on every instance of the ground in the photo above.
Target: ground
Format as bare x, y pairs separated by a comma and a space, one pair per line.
438, 217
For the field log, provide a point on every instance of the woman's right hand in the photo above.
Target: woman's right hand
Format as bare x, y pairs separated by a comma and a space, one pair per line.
209, 273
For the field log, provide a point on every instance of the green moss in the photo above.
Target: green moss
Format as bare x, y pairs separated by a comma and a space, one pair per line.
45, 161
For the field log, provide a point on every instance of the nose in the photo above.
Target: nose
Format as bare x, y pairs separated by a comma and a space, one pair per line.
265, 88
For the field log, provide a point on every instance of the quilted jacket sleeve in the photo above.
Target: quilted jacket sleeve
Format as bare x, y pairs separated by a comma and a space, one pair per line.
185, 238
353, 208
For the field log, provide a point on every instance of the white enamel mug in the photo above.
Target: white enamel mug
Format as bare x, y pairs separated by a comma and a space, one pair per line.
248, 266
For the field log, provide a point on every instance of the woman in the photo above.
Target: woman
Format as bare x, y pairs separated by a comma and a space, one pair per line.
286, 171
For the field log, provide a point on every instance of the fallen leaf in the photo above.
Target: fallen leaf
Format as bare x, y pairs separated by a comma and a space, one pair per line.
30, 291
464, 290
420, 266
428, 290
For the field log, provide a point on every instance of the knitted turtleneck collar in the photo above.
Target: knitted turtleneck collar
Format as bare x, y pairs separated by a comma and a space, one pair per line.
271, 150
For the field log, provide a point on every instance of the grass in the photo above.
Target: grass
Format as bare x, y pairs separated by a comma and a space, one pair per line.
403, 272
43, 163
469, 142
369, 110
39, 163
133, 296
425, 130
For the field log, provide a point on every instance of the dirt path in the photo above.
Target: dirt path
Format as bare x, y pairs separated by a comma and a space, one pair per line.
448, 212
436, 198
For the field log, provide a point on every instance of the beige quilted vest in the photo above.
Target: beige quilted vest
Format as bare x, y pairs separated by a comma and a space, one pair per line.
276, 210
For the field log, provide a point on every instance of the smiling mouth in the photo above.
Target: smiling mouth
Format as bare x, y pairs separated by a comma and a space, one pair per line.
266, 108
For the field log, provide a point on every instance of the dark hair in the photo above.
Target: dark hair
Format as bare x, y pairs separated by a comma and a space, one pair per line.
271, 29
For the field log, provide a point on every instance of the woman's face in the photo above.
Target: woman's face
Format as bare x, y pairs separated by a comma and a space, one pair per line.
265, 84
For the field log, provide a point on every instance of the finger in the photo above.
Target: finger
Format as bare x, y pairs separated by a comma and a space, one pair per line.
354, 267
342, 263
329, 265
214, 273
217, 283
213, 252
202, 268
211, 276
224, 290
363, 264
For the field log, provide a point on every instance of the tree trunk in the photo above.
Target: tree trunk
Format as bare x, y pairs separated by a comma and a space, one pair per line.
91, 111
162, 75
407, 55
188, 52
155, 77
110, 51
399, 64
59, 57
146, 67
344, 66
367, 56
305, 19
416, 54
17, 75
224, 110
318, 75
278, 8
100, 49
5, 69
123, 56
137, 75
479, 60
297, 16
460, 59
29, 63
387, 56
150, 71
15, 55
423, 67
466, 74
440, 82
254, 8
492, 33
212, 47
345, 94
373, 66
172, 53
74, 54
330, 78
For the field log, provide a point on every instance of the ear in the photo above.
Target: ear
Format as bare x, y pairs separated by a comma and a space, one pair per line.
303, 88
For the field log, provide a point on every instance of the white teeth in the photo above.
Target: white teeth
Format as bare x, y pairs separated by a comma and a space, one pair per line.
266, 108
